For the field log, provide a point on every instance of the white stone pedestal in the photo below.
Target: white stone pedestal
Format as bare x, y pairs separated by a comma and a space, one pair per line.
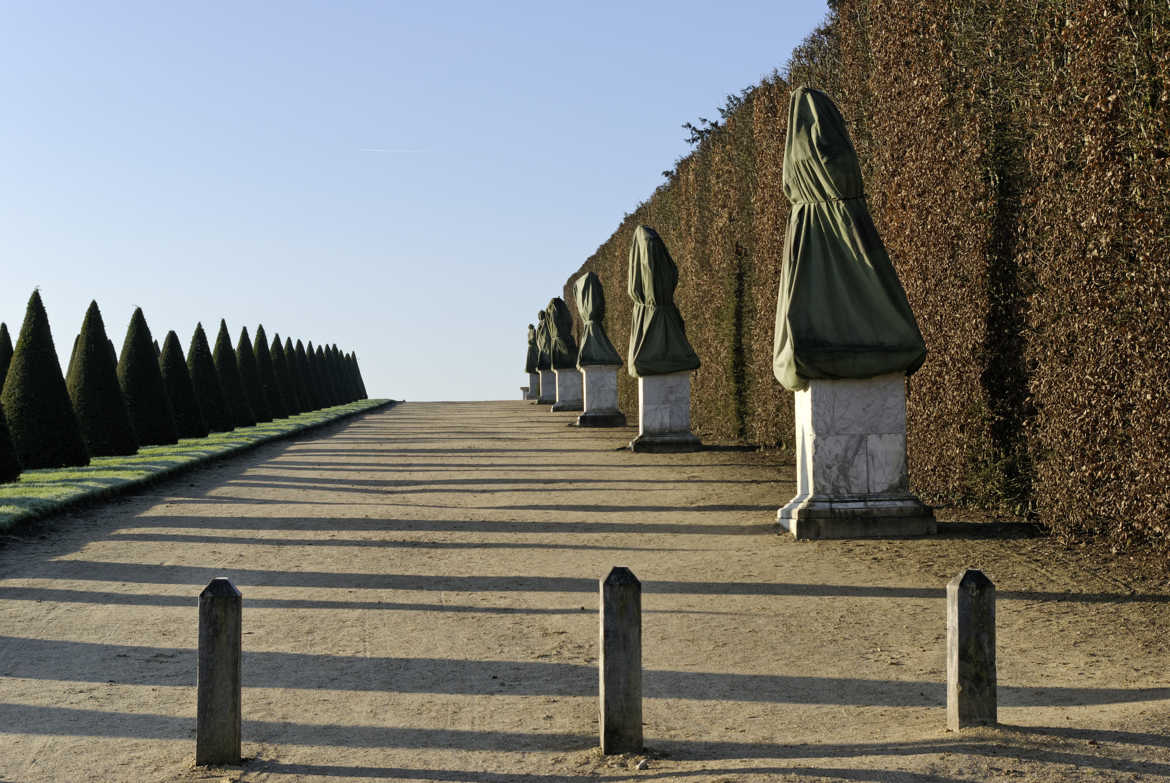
851, 479
533, 387
547, 393
569, 396
664, 414
601, 397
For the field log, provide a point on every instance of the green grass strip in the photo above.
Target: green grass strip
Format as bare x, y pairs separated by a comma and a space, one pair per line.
38, 493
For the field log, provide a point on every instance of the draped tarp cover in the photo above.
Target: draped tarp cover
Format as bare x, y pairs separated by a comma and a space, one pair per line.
533, 353
595, 345
841, 312
543, 357
562, 346
658, 337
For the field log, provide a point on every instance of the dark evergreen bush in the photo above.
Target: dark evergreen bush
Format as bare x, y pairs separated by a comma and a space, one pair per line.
142, 386
97, 396
229, 376
284, 379
157, 350
304, 379
5, 351
36, 403
206, 384
189, 421
9, 462
357, 369
250, 378
325, 373
269, 386
317, 385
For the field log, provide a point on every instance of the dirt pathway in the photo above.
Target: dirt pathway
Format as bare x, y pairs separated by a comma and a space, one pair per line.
420, 591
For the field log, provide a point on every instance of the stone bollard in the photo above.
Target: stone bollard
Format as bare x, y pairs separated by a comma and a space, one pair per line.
971, 686
217, 732
620, 665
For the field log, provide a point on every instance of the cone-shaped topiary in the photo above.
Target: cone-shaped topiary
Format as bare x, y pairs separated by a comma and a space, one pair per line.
315, 382
97, 396
284, 379
324, 372
351, 377
142, 386
269, 386
36, 403
338, 365
357, 368
250, 378
157, 350
300, 368
9, 462
189, 421
206, 385
229, 377
72, 358
5, 351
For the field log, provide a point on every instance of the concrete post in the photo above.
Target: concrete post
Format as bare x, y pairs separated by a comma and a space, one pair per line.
971, 685
217, 732
620, 665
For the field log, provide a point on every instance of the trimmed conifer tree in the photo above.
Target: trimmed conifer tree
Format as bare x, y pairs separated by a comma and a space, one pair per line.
299, 368
269, 386
284, 379
36, 402
5, 352
142, 386
229, 377
96, 394
206, 384
316, 388
351, 377
323, 375
338, 373
157, 350
72, 358
9, 463
189, 421
250, 378
357, 368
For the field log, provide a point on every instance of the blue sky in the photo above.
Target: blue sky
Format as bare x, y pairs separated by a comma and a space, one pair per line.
408, 180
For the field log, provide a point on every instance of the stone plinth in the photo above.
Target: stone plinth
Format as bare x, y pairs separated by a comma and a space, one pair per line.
664, 414
569, 394
547, 393
851, 473
601, 397
533, 387
523, 392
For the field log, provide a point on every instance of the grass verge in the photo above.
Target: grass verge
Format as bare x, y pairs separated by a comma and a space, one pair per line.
38, 493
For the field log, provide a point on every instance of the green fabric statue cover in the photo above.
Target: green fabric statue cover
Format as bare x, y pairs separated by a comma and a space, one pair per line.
841, 312
595, 345
533, 353
543, 355
562, 346
658, 337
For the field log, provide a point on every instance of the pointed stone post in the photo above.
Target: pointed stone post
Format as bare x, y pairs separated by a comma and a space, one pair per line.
620, 665
217, 731
971, 682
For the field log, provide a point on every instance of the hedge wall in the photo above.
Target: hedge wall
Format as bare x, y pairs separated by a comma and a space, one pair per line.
1017, 166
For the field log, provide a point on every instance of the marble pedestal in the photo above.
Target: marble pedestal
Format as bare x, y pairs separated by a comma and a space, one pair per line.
547, 393
533, 393
664, 414
523, 392
851, 479
569, 396
601, 397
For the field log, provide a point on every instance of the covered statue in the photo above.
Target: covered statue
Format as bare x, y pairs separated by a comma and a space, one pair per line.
596, 349
562, 346
543, 354
658, 338
533, 354
841, 311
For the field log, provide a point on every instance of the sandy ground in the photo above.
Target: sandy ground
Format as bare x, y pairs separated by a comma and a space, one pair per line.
420, 591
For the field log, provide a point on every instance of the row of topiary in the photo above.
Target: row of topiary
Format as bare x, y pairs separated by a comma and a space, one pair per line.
106, 405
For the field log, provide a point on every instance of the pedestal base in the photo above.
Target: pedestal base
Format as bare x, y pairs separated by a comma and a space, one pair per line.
851, 475
533, 387
666, 443
597, 419
569, 396
664, 414
523, 392
548, 388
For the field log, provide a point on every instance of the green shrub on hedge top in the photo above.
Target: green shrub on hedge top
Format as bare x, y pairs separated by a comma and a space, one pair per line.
9, 462
189, 421
269, 386
284, 380
96, 394
305, 374
142, 386
36, 403
229, 377
250, 378
206, 384
5, 351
